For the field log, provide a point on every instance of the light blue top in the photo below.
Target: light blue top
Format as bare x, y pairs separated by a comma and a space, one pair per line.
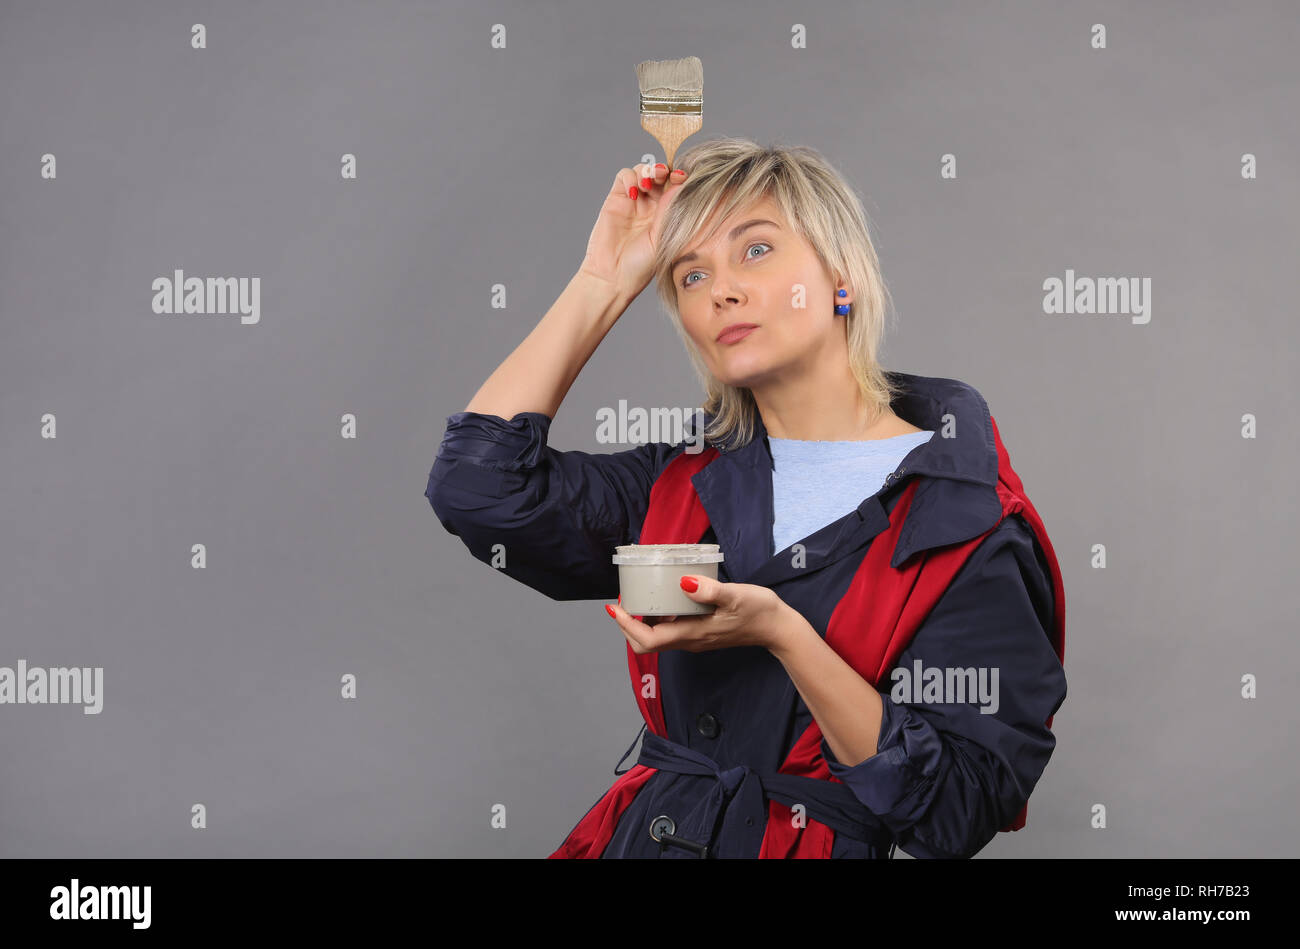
816, 483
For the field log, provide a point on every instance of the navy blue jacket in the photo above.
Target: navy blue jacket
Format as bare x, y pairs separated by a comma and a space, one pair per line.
945, 776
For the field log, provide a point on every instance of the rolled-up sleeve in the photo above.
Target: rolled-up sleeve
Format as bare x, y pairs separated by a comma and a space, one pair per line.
947, 775
550, 519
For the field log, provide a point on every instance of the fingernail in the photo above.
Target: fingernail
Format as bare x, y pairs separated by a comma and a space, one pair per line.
661, 165
633, 192
690, 584
679, 173
609, 609
647, 183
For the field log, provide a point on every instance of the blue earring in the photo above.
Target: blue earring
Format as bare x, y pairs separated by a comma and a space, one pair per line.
842, 309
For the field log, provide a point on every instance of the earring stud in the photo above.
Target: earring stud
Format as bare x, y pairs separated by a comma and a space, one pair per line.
842, 309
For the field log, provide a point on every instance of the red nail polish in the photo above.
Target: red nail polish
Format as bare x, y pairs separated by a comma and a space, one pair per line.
661, 165
690, 584
647, 183
609, 609
633, 192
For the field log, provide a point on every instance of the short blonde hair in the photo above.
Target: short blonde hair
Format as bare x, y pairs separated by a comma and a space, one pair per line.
728, 174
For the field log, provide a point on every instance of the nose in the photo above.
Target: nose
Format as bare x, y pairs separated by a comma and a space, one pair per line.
726, 290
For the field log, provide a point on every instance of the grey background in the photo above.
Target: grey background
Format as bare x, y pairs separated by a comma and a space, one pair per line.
480, 166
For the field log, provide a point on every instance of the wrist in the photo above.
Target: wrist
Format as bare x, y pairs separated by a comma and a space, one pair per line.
610, 298
788, 629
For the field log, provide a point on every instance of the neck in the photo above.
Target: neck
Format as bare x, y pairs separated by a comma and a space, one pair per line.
814, 407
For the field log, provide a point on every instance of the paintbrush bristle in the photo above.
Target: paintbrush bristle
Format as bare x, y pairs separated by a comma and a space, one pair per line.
671, 78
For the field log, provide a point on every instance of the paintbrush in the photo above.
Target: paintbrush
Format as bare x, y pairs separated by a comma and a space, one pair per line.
672, 100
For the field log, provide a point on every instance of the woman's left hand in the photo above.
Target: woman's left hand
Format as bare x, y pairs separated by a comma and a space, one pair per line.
746, 615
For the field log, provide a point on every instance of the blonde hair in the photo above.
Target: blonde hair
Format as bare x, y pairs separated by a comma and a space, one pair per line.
728, 174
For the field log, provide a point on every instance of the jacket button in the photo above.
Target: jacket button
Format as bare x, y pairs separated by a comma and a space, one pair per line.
708, 725
663, 824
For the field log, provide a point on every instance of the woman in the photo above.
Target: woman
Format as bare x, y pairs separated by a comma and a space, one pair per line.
886, 648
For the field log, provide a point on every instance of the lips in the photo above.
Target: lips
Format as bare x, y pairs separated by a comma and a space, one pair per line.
736, 332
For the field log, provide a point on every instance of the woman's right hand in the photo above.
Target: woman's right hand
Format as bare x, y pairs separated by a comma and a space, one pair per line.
621, 248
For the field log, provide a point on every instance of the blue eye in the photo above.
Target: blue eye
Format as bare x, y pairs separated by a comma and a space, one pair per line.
686, 279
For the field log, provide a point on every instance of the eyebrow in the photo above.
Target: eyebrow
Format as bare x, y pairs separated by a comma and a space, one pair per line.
735, 232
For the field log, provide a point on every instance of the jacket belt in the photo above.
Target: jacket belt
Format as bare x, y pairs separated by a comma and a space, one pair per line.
828, 802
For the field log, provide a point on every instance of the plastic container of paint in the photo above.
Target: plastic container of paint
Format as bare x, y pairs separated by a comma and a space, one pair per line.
649, 577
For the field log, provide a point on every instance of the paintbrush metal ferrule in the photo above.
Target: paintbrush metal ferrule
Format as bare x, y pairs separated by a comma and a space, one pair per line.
660, 105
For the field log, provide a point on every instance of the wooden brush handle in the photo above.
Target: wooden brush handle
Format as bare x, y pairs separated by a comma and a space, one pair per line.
671, 130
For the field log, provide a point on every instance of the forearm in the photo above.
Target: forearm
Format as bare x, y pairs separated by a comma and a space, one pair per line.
845, 706
537, 375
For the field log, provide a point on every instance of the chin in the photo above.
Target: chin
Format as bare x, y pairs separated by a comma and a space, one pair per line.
743, 373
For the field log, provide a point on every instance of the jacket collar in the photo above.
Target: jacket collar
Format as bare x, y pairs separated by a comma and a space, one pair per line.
955, 500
